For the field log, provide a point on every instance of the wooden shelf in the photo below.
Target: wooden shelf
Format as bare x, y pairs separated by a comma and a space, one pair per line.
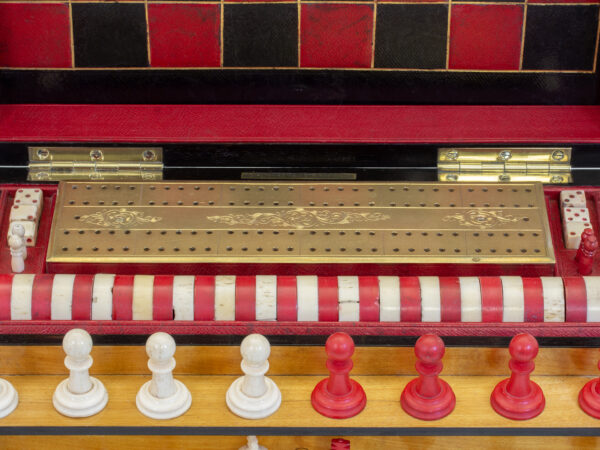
208, 371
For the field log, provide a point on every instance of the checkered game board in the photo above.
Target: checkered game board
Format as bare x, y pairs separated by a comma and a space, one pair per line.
376, 35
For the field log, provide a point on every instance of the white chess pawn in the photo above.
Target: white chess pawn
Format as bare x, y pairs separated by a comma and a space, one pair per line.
18, 248
79, 395
253, 444
19, 230
254, 396
163, 397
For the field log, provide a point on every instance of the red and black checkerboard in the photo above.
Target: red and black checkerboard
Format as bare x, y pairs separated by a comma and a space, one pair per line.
281, 51
532, 35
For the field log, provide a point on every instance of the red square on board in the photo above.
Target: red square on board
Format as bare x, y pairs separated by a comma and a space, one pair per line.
35, 35
184, 35
334, 35
485, 37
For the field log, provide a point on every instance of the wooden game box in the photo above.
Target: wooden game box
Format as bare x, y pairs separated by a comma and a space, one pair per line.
400, 104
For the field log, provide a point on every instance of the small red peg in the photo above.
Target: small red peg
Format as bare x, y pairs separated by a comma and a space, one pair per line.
428, 397
585, 264
589, 397
340, 444
518, 397
585, 234
338, 396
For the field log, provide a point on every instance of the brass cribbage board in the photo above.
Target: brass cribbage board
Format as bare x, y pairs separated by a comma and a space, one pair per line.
232, 222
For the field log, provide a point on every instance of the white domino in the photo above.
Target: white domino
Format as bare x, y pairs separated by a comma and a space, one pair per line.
24, 213
30, 232
572, 198
576, 215
29, 197
572, 233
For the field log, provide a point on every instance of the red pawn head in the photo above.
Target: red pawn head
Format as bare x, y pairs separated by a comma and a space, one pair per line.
429, 349
339, 347
591, 243
586, 234
340, 444
523, 347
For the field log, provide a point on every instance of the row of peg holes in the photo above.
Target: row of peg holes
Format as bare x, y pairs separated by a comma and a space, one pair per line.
291, 188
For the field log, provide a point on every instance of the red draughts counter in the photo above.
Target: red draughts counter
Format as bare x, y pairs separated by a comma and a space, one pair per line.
106, 297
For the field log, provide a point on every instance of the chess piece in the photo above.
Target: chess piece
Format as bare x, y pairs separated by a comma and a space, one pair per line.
518, 397
340, 444
253, 444
18, 248
585, 264
19, 230
589, 397
338, 396
79, 395
163, 397
428, 397
254, 396
9, 399
584, 236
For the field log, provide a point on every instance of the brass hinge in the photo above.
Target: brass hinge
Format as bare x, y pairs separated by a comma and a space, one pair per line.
95, 163
501, 165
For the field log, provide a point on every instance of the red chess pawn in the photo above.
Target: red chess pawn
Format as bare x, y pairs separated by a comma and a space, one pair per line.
585, 264
589, 397
518, 397
338, 396
584, 237
428, 397
340, 444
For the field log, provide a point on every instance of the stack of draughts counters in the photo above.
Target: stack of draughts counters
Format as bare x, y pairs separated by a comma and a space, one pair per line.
300, 222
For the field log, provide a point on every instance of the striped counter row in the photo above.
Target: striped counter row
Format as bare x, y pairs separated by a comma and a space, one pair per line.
299, 298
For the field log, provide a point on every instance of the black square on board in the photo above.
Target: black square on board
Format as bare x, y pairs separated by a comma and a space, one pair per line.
411, 36
264, 35
560, 37
110, 35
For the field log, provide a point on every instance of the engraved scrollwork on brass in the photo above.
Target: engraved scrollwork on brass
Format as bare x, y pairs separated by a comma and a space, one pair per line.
482, 218
118, 218
299, 218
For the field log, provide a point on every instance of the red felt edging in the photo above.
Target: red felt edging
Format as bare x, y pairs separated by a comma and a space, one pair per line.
299, 124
